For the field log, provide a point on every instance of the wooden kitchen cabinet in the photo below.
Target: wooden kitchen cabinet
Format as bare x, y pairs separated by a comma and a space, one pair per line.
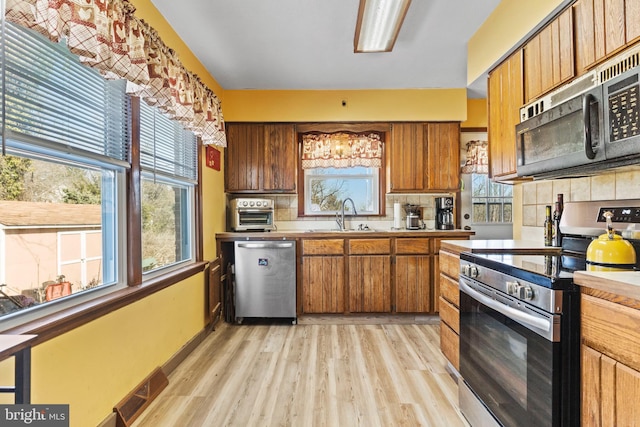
424, 157
505, 98
260, 158
323, 281
603, 28
412, 275
369, 275
280, 158
443, 166
610, 332
548, 57
449, 305
408, 158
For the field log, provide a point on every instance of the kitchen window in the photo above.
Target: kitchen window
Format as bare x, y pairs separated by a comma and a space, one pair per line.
168, 157
492, 202
326, 188
70, 225
62, 197
341, 165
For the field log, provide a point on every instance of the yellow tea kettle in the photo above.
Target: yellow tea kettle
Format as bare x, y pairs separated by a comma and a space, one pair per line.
610, 252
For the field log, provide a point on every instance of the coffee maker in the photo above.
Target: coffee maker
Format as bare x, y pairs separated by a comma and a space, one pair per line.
444, 213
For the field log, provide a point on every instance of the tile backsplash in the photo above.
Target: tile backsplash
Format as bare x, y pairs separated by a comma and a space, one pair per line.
611, 186
286, 211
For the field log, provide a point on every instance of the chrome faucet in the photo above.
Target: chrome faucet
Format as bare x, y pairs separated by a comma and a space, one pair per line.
340, 219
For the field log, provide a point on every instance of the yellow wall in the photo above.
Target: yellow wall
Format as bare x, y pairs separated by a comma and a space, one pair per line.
93, 367
361, 105
509, 23
476, 114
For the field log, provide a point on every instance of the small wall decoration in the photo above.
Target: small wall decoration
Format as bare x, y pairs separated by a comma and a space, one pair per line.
213, 157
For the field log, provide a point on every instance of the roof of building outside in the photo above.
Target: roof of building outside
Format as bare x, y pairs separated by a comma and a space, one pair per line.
17, 213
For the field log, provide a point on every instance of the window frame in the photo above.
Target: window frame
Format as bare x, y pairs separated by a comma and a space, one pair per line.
375, 190
383, 128
60, 317
487, 201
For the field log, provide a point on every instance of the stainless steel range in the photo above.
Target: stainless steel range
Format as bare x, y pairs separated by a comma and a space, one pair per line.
519, 326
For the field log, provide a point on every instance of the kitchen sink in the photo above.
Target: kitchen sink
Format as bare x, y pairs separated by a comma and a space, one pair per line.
335, 230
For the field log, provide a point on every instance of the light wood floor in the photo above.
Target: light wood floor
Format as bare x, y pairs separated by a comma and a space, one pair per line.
318, 374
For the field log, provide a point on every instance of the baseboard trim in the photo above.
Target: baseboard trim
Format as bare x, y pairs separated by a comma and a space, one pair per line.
179, 356
168, 367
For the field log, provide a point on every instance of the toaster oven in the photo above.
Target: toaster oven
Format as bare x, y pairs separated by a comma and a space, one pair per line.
250, 214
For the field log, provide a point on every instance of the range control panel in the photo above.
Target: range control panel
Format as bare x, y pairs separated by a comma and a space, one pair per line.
621, 214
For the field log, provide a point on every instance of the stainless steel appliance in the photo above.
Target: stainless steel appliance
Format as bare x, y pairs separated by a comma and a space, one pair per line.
587, 126
413, 217
444, 213
251, 214
519, 326
265, 279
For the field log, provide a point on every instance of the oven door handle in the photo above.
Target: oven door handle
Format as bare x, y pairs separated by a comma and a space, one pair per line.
528, 320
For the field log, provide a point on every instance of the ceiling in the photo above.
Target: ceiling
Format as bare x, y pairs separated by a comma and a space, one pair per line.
308, 44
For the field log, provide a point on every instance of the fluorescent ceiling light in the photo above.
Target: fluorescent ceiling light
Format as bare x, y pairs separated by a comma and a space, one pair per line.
379, 22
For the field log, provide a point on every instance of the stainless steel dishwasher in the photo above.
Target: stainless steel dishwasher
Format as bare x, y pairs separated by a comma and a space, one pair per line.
265, 282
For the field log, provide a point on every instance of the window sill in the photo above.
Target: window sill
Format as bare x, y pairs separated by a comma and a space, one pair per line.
53, 325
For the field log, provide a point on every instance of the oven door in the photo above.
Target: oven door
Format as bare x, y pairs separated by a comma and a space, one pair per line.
254, 219
507, 363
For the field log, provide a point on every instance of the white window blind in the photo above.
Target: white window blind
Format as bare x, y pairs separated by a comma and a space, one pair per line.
165, 146
50, 98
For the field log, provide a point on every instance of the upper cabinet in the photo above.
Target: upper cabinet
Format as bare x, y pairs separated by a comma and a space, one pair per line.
604, 27
548, 57
260, 158
505, 97
443, 162
407, 157
424, 157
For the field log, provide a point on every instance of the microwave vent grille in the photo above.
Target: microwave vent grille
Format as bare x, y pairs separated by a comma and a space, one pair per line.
609, 71
573, 90
558, 96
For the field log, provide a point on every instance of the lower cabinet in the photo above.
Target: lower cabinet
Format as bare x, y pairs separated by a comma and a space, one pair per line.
412, 275
323, 280
449, 306
370, 275
610, 333
376, 275
370, 283
323, 284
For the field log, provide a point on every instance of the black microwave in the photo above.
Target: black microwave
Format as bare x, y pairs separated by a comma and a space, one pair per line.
591, 132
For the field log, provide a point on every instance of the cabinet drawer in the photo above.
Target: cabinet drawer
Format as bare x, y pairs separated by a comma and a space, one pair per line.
369, 246
450, 345
450, 264
412, 246
612, 329
450, 315
449, 290
323, 247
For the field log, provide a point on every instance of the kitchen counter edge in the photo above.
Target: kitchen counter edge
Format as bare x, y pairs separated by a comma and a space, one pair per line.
301, 234
622, 283
496, 246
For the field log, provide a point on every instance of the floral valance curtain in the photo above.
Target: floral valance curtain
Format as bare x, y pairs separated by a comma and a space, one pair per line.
106, 35
477, 158
341, 150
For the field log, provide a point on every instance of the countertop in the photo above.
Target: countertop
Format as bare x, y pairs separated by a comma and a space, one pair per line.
498, 246
295, 234
623, 283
